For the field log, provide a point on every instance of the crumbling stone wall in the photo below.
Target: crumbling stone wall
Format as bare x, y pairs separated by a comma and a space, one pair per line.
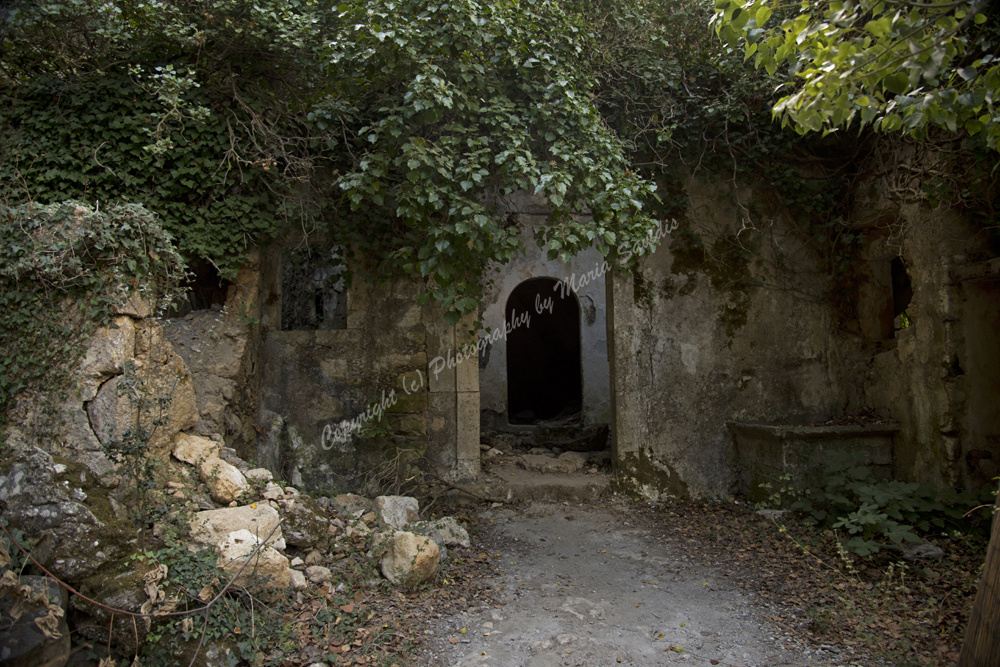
338, 405
938, 376
914, 341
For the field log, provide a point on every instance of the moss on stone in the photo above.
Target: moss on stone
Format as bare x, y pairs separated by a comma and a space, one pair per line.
637, 471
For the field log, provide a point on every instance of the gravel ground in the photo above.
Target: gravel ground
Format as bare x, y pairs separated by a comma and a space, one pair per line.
591, 584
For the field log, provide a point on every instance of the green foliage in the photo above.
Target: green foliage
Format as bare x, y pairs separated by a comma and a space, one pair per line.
890, 65
63, 269
11, 557
189, 573
88, 138
875, 512
452, 107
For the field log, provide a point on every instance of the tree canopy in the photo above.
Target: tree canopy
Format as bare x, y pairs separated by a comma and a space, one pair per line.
394, 128
893, 64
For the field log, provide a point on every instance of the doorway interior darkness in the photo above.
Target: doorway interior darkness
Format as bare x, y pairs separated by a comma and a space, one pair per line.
543, 354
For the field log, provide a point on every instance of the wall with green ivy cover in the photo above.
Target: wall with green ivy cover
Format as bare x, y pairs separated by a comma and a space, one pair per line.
64, 269
88, 138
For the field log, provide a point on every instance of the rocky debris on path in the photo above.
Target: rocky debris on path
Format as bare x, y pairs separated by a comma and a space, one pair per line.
409, 558
449, 531
397, 512
238, 546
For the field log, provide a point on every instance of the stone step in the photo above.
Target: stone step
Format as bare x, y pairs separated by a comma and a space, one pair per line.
514, 483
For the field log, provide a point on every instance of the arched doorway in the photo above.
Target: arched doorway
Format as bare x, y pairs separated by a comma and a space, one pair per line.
543, 352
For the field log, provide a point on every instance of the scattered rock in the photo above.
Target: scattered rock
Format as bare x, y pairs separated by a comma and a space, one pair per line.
397, 512
194, 448
448, 528
298, 580
273, 492
351, 503
22, 642
238, 546
409, 558
229, 455
305, 523
318, 574
540, 451
259, 475
214, 525
225, 482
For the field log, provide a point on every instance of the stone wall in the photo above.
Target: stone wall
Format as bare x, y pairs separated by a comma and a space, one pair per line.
695, 345
914, 341
376, 373
940, 375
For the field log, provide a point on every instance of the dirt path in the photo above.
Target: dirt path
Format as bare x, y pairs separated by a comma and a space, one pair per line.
590, 585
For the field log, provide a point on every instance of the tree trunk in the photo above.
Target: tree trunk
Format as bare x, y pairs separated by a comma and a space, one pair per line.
981, 647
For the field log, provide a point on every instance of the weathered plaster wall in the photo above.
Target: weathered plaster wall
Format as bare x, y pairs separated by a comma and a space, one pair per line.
693, 348
940, 376
591, 297
314, 382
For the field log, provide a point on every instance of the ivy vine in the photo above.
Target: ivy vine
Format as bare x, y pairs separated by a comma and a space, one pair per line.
64, 270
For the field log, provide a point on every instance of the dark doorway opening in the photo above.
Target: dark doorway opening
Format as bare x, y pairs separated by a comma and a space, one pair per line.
543, 353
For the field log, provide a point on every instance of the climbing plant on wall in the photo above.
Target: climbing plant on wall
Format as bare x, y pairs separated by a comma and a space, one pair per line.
398, 125
64, 269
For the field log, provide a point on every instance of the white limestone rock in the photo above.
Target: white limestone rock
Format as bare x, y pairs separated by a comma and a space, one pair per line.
211, 526
225, 482
409, 558
194, 448
397, 512
238, 546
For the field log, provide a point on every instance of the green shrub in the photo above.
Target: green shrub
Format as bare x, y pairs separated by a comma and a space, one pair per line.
876, 513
